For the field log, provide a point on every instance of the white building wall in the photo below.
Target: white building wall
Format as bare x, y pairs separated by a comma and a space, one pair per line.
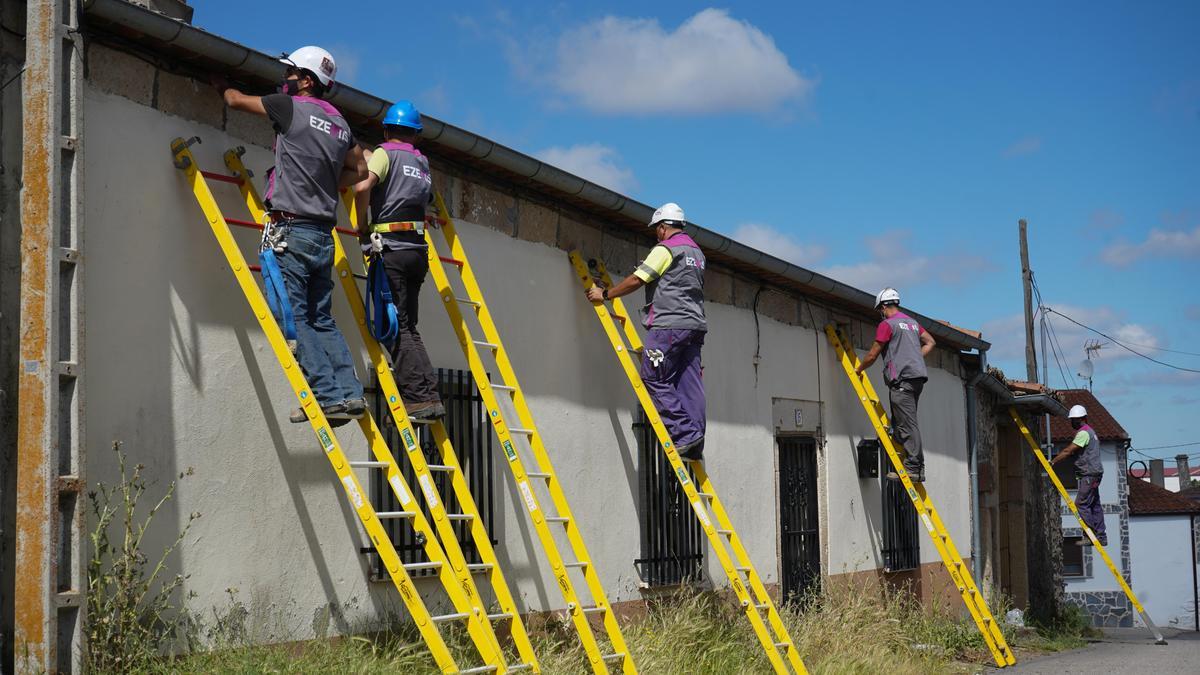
177, 369
1163, 560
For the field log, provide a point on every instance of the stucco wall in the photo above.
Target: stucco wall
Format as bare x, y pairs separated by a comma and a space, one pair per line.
179, 372
1162, 550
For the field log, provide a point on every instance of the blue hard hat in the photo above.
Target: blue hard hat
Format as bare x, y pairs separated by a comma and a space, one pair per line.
403, 114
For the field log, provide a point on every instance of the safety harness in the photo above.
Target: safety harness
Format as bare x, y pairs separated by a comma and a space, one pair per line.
382, 320
277, 297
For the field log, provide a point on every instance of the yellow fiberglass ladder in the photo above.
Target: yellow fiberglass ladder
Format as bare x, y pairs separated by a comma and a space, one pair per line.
1037, 452
422, 469
518, 435
700, 492
959, 574
466, 609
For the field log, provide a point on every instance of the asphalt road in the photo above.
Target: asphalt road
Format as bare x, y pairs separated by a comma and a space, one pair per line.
1122, 651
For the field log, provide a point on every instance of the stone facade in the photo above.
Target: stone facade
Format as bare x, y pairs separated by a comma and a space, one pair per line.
1108, 609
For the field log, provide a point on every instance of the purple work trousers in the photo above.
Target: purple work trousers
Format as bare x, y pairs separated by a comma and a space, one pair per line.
1087, 500
671, 371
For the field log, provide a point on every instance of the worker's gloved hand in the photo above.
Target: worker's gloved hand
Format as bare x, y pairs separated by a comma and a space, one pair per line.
376, 243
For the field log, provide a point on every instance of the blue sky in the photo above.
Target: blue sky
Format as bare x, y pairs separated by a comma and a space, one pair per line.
879, 143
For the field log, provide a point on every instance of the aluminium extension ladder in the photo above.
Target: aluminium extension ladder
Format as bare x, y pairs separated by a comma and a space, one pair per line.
743, 578
1037, 452
478, 628
423, 470
959, 574
504, 402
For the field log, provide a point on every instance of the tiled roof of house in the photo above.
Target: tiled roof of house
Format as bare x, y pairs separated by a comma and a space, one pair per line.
1148, 499
1106, 426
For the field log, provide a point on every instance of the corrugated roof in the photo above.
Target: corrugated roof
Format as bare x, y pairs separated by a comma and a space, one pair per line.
1147, 499
1106, 426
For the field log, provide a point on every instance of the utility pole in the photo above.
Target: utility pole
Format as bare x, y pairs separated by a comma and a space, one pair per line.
1027, 282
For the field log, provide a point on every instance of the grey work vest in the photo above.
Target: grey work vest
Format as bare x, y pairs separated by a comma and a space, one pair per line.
402, 195
902, 359
676, 299
308, 161
1088, 461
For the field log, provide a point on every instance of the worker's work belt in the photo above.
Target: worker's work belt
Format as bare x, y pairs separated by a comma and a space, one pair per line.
417, 226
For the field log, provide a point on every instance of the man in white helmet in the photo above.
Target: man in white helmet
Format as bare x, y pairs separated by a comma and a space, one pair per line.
1085, 448
673, 274
315, 158
904, 344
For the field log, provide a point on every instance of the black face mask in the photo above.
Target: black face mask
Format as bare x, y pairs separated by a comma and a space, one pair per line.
290, 86
1076, 423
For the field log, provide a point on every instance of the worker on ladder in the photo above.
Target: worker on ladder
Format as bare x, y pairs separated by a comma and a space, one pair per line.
390, 203
1085, 447
673, 274
315, 157
904, 344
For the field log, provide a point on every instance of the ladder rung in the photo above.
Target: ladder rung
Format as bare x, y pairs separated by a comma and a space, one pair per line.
704, 495
420, 421
460, 516
479, 567
761, 605
725, 532
741, 568
439, 467
610, 657
244, 223
450, 617
452, 261
556, 519
484, 343
520, 666
501, 615
576, 563
356, 275
221, 177
386, 515
503, 387
423, 566
466, 301
369, 465
521, 430
594, 610
479, 669
537, 474
782, 644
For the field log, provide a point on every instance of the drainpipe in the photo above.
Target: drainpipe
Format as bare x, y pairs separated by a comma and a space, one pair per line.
973, 444
1195, 585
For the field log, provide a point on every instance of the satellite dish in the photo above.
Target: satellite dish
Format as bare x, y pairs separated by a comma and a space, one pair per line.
1086, 369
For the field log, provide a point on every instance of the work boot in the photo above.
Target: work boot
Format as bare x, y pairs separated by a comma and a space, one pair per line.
298, 416
914, 475
693, 451
346, 410
425, 410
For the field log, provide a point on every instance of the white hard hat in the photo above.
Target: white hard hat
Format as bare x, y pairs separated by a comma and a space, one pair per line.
668, 211
316, 60
889, 295
1077, 411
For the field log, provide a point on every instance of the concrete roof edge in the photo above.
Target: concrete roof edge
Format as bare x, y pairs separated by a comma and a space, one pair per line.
184, 36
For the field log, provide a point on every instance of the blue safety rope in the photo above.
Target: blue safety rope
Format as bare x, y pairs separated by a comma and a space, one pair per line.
277, 297
381, 311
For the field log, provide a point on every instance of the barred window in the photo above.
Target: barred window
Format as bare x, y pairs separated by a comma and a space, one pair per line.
471, 433
901, 541
672, 542
1072, 556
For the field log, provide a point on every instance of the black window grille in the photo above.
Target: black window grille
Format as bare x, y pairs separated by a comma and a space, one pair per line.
901, 541
471, 433
800, 534
1072, 556
672, 550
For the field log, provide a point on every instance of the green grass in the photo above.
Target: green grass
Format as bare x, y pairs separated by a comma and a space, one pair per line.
844, 630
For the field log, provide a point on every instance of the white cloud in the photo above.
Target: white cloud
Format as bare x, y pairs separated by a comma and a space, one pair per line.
1007, 335
1025, 146
711, 63
893, 263
593, 161
779, 244
1166, 243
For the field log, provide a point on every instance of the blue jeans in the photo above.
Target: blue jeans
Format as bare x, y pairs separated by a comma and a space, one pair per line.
307, 267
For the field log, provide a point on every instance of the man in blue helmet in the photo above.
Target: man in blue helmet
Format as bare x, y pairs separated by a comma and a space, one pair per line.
390, 203
315, 157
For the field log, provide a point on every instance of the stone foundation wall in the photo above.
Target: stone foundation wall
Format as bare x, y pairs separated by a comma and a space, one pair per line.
1108, 609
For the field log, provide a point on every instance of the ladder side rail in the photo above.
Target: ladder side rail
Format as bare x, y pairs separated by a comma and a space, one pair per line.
417, 459
681, 474
633, 339
525, 417
333, 452
978, 609
452, 571
1062, 490
935, 519
515, 463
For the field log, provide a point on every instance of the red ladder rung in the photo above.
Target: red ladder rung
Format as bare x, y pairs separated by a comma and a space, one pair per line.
221, 177
244, 223
452, 261
348, 232
254, 268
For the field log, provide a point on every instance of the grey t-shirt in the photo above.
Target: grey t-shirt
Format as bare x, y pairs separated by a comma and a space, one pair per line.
900, 336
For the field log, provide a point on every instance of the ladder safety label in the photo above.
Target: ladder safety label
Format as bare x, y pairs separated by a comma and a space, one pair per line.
352, 490
430, 494
683, 477
701, 512
325, 438
409, 441
400, 490
928, 522
530, 502
508, 450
